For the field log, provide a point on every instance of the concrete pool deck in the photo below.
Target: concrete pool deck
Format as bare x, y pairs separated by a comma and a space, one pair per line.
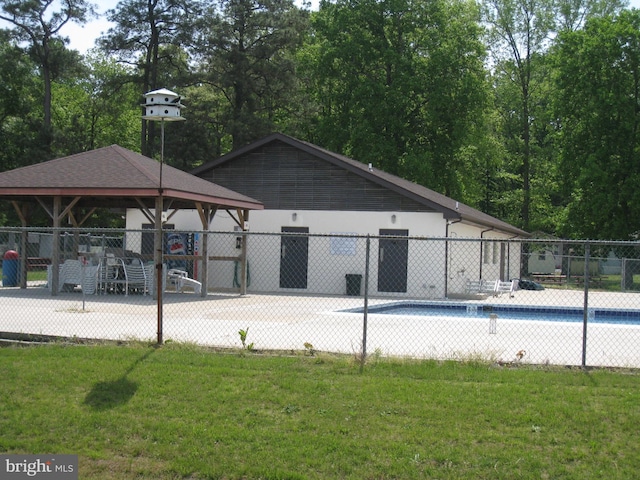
287, 322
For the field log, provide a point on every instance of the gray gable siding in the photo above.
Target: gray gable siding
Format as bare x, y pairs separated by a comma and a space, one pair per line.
284, 178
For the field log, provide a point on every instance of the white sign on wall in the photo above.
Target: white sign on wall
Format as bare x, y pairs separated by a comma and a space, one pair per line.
343, 245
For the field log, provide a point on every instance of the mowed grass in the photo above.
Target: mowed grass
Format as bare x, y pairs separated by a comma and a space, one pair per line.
184, 412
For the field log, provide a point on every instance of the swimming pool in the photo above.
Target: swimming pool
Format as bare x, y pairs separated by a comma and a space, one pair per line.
613, 316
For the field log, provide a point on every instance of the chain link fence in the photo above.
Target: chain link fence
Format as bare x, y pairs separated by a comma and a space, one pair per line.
500, 300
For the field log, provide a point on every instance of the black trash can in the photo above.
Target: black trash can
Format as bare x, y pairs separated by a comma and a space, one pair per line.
354, 282
10, 263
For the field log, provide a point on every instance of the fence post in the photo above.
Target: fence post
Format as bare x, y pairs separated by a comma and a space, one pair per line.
243, 263
366, 303
22, 265
585, 312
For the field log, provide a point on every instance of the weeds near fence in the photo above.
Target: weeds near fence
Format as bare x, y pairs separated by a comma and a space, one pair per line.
243, 339
308, 347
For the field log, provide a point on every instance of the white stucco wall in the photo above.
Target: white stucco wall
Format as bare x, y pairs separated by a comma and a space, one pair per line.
326, 266
492, 259
271, 221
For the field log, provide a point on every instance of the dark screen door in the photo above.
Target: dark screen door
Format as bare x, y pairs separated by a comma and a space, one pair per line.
294, 258
393, 256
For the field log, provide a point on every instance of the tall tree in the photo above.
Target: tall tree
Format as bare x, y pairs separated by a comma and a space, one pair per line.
399, 84
519, 32
246, 50
146, 35
598, 104
20, 112
38, 25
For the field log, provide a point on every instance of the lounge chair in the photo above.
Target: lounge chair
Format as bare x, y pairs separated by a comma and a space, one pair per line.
505, 287
480, 287
180, 279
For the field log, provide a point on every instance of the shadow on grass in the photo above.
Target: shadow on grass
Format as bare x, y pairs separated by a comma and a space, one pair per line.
110, 394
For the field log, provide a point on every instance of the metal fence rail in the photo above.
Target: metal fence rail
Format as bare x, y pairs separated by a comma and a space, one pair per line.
538, 301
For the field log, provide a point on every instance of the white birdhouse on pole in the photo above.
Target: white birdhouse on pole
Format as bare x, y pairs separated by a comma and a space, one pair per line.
162, 105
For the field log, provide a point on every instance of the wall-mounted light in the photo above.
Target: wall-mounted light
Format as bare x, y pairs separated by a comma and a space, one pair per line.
294, 216
393, 218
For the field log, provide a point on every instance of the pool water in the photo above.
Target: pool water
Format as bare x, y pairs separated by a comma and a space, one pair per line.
507, 312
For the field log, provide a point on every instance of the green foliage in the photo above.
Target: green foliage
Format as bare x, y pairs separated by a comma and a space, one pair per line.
401, 85
96, 110
247, 54
38, 25
518, 32
542, 135
203, 136
243, 338
152, 36
309, 349
20, 108
599, 143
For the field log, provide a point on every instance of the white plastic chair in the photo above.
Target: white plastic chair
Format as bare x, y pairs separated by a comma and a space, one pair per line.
110, 274
136, 276
505, 287
70, 274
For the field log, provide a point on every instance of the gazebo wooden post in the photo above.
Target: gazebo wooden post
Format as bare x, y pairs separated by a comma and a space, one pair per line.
204, 255
206, 217
23, 257
55, 253
22, 211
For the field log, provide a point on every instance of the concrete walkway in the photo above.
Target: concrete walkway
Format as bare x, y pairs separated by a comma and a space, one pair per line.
287, 322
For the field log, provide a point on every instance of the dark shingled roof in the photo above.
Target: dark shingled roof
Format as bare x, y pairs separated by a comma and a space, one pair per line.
115, 177
450, 208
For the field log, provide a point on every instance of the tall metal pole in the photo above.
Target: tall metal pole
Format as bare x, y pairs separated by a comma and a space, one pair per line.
366, 304
158, 237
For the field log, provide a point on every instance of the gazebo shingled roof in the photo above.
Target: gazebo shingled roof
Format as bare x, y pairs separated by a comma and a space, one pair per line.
115, 177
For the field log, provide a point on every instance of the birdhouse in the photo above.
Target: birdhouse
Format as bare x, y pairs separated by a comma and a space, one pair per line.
163, 105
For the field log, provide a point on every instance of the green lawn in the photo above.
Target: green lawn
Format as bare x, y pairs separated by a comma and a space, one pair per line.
608, 283
185, 412
34, 275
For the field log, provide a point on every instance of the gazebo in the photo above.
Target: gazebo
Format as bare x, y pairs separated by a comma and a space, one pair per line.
113, 177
